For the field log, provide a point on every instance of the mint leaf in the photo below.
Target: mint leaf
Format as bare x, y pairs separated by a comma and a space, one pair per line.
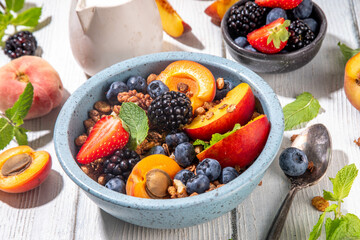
347, 51
346, 227
15, 5
343, 181
6, 133
136, 120
316, 232
303, 109
201, 142
29, 17
20, 136
329, 196
18, 112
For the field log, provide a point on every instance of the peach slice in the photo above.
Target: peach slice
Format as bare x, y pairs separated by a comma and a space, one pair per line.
22, 169
171, 21
242, 147
218, 9
237, 107
136, 183
199, 81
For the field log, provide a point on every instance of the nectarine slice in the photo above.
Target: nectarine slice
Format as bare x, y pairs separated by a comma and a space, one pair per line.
199, 79
136, 183
32, 174
237, 107
218, 8
242, 147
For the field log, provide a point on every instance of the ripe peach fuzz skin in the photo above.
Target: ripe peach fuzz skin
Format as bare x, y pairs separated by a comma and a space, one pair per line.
223, 121
352, 81
218, 9
48, 89
135, 185
199, 79
242, 147
31, 177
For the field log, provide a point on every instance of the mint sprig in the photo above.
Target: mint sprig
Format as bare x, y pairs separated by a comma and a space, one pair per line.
347, 51
216, 137
13, 118
342, 226
134, 117
303, 109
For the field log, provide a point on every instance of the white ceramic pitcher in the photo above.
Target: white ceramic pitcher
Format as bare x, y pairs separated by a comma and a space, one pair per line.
104, 32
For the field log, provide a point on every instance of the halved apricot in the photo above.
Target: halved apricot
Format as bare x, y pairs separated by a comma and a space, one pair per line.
198, 79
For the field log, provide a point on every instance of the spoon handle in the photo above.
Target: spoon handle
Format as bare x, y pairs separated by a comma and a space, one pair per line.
279, 220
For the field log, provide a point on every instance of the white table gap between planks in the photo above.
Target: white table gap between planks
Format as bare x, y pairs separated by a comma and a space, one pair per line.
58, 209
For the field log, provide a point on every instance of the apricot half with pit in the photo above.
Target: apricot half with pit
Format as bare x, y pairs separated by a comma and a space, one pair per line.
22, 169
151, 177
191, 78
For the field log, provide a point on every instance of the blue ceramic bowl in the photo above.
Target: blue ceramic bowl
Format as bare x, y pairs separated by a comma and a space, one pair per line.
169, 213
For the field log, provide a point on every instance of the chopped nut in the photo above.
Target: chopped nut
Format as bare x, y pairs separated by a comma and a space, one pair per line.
94, 115
193, 194
223, 106
86, 169
116, 109
357, 141
198, 149
89, 130
220, 83
255, 115
211, 187
191, 168
237, 168
311, 166
231, 108
172, 191
180, 189
140, 99
260, 183
320, 203
207, 105
220, 185
102, 179
150, 78
102, 106
216, 183
172, 156
88, 123
199, 111
209, 115
292, 139
182, 87
166, 148
189, 94
80, 140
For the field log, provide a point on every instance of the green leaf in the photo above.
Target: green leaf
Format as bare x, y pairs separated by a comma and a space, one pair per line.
15, 5
6, 133
303, 109
20, 136
136, 120
201, 142
343, 181
347, 51
22, 106
346, 227
329, 196
316, 232
29, 17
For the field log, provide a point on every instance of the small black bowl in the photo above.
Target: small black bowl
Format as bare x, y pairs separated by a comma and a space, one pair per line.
280, 62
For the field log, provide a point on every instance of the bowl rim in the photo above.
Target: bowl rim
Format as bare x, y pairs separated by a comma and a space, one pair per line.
71, 168
279, 56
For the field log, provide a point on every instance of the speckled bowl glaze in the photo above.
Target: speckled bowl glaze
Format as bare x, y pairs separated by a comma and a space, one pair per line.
169, 213
280, 62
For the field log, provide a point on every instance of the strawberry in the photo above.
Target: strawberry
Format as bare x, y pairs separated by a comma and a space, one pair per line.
284, 4
271, 38
106, 136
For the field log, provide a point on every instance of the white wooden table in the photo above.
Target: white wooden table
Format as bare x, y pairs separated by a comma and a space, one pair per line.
58, 209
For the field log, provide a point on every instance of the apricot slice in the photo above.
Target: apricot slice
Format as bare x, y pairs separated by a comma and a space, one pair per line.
22, 169
242, 147
198, 79
137, 184
237, 107
218, 9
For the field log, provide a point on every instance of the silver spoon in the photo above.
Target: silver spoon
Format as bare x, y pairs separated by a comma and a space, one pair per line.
315, 142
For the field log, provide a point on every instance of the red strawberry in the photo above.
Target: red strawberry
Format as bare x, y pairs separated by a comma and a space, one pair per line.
284, 4
271, 38
107, 135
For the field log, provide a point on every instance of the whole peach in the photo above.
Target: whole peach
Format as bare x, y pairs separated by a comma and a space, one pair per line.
48, 89
352, 81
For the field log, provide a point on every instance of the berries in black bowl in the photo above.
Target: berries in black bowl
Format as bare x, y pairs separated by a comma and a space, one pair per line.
293, 162
275, 14
137, 83
300, 35
304, 9
20, 44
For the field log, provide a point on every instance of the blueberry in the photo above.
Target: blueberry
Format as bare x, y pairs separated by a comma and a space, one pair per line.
137, 83
156, 88
172, 140
228, 174
241, 41
198, 183
184, 175
293, 162
221, 93
250, 48
209, 167
312, 24
157, 150
184, 154
114, 89
303, 10
116, 184
275, 14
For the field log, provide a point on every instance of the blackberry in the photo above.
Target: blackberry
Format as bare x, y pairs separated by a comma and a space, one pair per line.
170, 111
120, 164
300, 35
245, 18
20, 44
